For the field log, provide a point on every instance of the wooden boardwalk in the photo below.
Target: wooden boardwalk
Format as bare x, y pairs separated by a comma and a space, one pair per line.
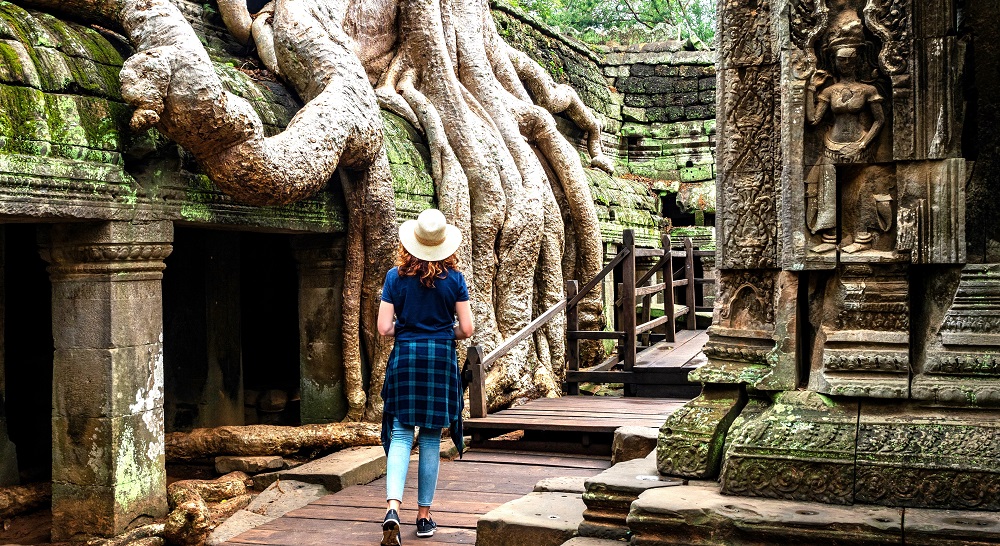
585, 415
467, 488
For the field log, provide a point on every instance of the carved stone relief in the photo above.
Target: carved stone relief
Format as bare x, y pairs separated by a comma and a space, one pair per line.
753, 336
962, 365
862, 348
748, 158
800, 448
912, 456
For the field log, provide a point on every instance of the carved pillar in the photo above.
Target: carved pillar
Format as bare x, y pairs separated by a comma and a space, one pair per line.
321, 364
107, 418
8, 453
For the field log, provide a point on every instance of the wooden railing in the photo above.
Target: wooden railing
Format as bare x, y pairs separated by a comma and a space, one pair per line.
629, 333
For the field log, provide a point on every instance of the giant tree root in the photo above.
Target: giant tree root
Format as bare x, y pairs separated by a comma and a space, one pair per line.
199, 505
147, 535
269, 440
21, 499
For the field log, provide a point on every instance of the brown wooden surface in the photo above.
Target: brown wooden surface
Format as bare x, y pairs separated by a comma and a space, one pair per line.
584, 414
673, 355
467, 488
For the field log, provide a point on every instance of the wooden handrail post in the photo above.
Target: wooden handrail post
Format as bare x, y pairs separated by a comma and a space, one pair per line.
572, 344
628, 298
692, 323
477, 387
669, 329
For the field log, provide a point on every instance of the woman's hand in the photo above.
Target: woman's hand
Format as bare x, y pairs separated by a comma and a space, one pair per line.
387, 319
464, 328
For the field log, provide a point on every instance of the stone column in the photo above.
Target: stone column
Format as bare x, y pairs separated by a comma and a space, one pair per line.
8, 455
321, 284
108, 464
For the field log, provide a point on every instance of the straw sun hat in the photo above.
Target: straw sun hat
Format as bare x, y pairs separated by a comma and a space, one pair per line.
430, 237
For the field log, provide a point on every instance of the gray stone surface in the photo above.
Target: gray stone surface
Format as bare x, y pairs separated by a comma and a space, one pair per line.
352, 466
951, 527
272, 503
250, 465
609, 496
538, 519
702, 515
564, 484
633, 443
590, 541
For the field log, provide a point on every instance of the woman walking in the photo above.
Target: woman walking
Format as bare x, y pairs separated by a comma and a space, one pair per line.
421, 298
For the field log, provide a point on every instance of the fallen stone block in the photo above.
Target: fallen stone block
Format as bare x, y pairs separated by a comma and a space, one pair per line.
251, 465
352, 466
609, 496
536, 519
274, 502
565, 484
704, 516
951, 527
633, 443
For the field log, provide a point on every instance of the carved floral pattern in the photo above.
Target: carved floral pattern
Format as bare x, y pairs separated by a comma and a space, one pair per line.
845, 361
890, 20
789, 479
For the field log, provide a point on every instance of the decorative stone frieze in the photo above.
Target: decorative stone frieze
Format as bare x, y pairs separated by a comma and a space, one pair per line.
802, 448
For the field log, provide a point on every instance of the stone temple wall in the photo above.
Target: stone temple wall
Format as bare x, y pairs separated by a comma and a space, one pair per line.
852, 356
656, 103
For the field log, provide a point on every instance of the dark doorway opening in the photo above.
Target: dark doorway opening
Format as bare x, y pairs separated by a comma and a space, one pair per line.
231, 338
28, 350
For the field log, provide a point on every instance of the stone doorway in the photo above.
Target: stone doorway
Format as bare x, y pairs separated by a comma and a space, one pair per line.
26, 365
231, 341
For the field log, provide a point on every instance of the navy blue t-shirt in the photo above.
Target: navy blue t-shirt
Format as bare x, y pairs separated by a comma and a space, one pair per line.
421, 312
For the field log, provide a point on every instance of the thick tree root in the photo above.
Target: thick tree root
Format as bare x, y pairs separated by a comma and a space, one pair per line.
21, 499
269, 440
198, 505
147, 535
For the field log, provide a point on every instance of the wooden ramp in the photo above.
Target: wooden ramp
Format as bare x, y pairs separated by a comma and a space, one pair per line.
467, 489
590, 417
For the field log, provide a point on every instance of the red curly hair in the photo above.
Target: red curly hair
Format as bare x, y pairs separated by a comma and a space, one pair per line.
409, 266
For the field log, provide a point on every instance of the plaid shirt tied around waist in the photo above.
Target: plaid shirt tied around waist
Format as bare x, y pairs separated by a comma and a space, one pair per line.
422, 388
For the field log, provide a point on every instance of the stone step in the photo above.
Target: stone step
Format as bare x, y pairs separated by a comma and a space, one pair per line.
704, 516
609, 495
536, 519
351, 466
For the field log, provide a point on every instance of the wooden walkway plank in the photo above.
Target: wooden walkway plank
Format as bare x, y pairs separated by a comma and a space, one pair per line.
354, 516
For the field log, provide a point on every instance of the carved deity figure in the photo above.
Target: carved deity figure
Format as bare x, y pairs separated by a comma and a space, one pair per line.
855, 106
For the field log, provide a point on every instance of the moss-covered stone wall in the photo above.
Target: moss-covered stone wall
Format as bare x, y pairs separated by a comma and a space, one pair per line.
656, 103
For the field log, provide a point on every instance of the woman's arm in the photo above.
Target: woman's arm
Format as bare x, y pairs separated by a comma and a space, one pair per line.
464, 328
386, 319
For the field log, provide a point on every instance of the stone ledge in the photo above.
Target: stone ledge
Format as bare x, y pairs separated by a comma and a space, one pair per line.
352, 466
702, 515
538, 519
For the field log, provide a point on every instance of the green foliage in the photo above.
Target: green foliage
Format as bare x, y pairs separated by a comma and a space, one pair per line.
629, 21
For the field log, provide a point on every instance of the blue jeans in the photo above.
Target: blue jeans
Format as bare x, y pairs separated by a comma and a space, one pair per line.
398, 462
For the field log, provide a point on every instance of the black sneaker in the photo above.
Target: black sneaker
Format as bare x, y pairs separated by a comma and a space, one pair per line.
390, 529
426, 527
